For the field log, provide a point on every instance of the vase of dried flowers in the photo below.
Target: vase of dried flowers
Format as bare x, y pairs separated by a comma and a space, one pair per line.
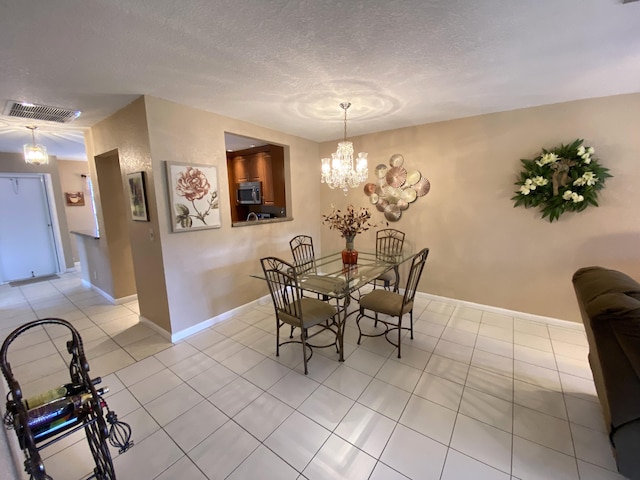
349, 254
349, 224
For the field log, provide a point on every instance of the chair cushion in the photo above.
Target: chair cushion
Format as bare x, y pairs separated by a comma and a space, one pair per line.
388, 276
383, 301
313, 312
316, 311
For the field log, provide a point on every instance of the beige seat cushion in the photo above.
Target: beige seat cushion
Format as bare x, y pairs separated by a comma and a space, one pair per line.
388, 276
383, 301
313, 312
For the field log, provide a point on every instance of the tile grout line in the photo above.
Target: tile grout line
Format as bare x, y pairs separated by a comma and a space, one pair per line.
387, 359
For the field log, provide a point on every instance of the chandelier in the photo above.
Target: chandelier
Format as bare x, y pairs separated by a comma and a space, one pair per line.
35, 154
339, 171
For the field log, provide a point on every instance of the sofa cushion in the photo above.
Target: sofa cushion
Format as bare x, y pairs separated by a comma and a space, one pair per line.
613, 307
623, 313
610, 304
616, 303
595, 281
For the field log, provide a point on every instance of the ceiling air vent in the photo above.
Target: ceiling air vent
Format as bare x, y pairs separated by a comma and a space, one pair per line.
40, 112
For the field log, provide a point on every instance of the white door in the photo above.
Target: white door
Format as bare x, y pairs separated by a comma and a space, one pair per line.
27, 244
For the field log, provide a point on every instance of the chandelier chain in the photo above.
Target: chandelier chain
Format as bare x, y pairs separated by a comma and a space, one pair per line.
33, 135
345, 106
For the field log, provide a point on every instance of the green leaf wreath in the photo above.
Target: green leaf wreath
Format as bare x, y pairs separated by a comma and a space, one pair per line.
564, 179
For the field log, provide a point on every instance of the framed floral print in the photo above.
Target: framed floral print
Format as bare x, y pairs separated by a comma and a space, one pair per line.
137, 197
193, 196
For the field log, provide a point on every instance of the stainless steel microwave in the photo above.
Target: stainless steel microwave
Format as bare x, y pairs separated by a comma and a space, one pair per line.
249, 193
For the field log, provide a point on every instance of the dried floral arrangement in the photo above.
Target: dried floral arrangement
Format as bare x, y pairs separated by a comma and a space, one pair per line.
349, 223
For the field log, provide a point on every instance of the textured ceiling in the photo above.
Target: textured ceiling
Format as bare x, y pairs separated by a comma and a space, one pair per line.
287, 64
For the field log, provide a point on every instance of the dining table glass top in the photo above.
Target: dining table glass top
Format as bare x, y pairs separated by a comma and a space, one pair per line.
328, 276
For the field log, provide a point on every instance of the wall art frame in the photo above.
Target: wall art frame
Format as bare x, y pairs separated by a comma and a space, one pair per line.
137, 197
74, 199
193, 196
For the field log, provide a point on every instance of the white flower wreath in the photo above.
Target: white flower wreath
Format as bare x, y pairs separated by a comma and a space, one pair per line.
565, 178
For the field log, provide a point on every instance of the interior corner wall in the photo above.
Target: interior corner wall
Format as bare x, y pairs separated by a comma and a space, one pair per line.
116, 221
208, 272
14, 162
126, 133
482, 249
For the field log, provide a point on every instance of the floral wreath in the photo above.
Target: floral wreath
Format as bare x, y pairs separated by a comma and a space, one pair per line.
564, 179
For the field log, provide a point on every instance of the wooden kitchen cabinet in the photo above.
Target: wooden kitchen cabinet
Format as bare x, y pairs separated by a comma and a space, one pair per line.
240, 170
277, 177
265, 175
264, 164
245, 168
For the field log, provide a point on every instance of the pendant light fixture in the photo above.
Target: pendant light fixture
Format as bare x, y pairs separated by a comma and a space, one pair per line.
339, 171
35, 154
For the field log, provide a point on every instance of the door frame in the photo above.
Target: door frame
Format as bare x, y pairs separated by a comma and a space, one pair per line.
52, 210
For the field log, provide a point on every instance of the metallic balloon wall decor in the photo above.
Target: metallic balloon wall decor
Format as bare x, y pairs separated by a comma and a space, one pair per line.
396, 188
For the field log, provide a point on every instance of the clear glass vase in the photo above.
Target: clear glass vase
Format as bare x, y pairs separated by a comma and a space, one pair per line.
349, 254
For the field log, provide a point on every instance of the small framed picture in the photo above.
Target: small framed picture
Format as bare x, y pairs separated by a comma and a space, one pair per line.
137, 197
193, 196
74, 199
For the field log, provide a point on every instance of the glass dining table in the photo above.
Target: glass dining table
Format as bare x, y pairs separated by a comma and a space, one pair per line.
328, 277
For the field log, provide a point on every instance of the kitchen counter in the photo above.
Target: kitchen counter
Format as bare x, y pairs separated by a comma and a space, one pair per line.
87, 233
260, 222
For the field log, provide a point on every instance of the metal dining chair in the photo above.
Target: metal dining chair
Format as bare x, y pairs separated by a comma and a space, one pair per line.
393, 305
294, 309
304, 257
389, 241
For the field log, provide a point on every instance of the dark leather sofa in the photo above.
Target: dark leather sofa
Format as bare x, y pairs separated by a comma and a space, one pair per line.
609, 302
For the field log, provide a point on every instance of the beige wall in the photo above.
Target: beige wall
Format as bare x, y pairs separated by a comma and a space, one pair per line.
116, 223
482, 249
78, 217
187, 278
126, 134
208, 271
14, 162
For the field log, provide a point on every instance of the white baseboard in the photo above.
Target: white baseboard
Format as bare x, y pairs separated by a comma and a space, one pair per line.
177, 336
115, 301
155, 327
503, 311
123, 300
212, 321
187, 332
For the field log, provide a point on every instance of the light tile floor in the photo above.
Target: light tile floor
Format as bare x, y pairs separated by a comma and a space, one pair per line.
476, 395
